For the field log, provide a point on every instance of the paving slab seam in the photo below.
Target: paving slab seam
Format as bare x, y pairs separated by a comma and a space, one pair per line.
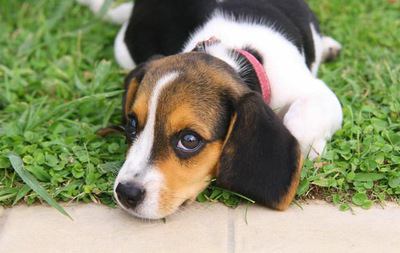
231, 232
3, 220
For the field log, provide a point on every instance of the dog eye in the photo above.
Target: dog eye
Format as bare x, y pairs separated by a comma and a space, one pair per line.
189, 142
131, 128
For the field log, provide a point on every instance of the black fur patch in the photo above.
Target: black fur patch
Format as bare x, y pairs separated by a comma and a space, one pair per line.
162, 27
247, 72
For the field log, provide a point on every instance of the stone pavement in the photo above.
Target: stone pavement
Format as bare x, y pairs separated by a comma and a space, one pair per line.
318, 227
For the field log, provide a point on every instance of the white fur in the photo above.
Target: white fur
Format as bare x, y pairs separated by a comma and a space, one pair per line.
314, 111
221, 52
318, 49
117, 15
314, 118
137, 166
283, 63
121, 52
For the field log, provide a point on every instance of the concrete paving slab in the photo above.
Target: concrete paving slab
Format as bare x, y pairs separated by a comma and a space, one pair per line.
95, 228
318, 227
2, 219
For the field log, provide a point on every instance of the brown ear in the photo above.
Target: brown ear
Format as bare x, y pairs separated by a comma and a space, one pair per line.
131, 84
132, 81
260, 158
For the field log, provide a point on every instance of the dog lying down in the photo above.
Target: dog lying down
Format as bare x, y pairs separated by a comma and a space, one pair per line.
223, 89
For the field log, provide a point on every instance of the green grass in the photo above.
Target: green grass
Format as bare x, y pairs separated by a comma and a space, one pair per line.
59, 84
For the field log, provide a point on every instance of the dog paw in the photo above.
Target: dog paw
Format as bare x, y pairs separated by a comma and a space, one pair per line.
331, 49
313, 120
316, 149
307, 132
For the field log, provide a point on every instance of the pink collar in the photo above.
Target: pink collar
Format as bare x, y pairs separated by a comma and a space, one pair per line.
261, 74
258, 67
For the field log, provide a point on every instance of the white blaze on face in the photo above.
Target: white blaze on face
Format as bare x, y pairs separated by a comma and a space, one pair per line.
137, 167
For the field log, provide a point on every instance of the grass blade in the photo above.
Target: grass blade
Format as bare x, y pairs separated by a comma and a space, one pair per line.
213, 187
28, 179
21, 193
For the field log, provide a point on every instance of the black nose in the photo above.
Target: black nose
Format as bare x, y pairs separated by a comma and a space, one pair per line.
129, 194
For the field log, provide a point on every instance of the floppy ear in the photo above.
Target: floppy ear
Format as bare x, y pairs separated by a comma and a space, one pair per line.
131, 84
260, 158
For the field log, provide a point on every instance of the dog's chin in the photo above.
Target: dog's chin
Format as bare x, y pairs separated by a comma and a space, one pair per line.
142, 216
141, 212
138, 213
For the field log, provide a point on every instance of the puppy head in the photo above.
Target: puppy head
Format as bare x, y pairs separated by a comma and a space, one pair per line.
189, 118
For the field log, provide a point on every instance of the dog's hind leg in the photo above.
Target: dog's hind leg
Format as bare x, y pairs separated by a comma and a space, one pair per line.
117, 15
325, 48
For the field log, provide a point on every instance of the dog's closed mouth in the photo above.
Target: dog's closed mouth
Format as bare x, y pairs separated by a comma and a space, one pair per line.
185, 203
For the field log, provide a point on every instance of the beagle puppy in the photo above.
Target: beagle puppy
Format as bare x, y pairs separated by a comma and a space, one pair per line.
223, 89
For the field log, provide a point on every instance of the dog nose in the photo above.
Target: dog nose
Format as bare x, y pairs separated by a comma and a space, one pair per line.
129, 194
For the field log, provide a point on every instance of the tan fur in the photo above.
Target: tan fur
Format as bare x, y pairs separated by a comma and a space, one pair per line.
287, 199
218, 78
139, 108
130, 94
185, 180
184, 117
230, 129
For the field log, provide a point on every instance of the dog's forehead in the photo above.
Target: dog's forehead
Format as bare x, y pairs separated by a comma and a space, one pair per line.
202, 81
186, 103
193, 67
